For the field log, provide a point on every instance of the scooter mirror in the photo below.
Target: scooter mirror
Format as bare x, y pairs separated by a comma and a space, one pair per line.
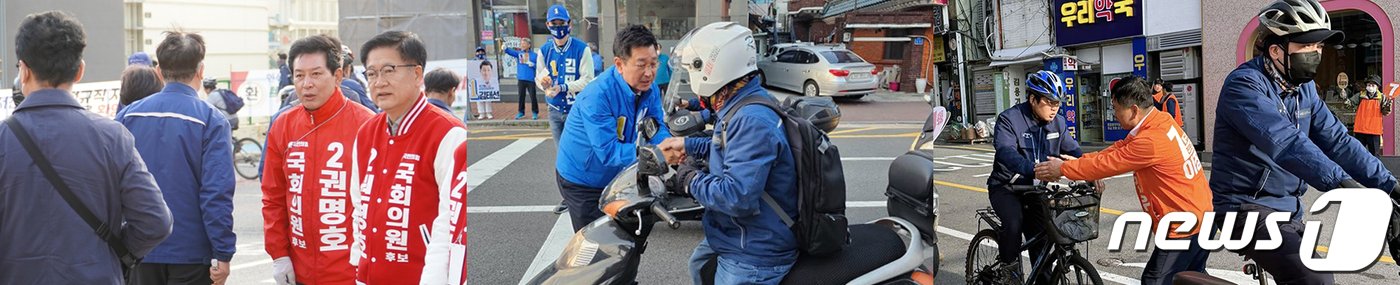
650, 162
647, 129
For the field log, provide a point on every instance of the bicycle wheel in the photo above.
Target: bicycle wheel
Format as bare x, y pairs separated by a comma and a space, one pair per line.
1075, 269
982, 259
246, 153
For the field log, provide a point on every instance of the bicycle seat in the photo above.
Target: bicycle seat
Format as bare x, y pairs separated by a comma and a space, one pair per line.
1198, 278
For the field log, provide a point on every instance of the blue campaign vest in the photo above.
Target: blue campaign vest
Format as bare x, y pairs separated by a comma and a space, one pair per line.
562, 64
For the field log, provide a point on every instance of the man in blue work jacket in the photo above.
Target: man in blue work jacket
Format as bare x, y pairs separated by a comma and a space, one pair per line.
185, 143
601, 138
563, 68
749, 156
1027, 133
1274, 137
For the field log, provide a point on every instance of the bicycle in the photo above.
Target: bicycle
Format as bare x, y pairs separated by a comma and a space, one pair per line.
1068, 213
247, 152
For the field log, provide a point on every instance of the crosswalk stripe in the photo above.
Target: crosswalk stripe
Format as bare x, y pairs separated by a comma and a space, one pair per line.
483, 169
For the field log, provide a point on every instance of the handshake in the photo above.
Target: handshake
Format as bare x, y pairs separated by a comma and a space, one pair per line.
1050, 169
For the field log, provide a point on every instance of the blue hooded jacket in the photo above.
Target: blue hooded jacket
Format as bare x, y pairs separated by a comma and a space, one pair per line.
186, 145
1268, 144
1022, 141
755, 159
600, 137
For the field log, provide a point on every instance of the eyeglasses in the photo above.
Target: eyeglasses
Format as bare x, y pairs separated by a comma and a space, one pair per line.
386, 71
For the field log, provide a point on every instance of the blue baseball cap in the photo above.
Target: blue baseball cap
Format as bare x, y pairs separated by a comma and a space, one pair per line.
557, 12
139, 57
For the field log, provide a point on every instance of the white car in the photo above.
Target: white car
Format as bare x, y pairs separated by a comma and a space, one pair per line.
818, 70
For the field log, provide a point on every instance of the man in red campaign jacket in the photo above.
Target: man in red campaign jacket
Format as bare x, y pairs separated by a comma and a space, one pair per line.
456, 263
306, 189
402, 167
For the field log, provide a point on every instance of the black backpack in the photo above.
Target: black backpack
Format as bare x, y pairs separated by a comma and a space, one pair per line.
820, 227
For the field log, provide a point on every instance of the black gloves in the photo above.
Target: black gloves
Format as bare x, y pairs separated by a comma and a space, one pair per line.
680, 182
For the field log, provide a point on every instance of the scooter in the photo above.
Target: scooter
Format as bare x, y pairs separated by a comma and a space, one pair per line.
900, 248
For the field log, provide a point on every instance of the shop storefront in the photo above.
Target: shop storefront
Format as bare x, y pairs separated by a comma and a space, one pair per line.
1369, 49
1106, 44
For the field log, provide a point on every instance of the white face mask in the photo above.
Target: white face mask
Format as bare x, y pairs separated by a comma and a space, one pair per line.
1372, 89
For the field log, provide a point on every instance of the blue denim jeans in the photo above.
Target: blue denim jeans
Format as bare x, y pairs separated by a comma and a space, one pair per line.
556, 123
733, 272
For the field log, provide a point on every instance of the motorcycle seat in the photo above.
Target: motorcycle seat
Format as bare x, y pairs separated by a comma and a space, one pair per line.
871, 246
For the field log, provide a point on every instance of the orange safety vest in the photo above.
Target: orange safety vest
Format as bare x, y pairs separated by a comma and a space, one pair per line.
1161, 104
1368, 115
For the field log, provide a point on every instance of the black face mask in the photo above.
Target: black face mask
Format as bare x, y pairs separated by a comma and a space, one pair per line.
1302, 66
17, 96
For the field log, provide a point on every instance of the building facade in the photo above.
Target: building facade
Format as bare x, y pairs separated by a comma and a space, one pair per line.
235, 32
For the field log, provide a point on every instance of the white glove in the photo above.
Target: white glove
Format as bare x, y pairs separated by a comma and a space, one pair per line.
282, 271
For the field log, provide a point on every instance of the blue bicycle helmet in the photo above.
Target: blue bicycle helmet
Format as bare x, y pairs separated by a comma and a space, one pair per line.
1046, 83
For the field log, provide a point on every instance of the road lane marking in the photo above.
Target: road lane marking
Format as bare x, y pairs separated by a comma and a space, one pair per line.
510, 209
984, 190
1105, 275
852, 130
901, 135
483, 169
553, 245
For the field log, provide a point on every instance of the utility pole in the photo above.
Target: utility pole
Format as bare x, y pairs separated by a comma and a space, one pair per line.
962, 65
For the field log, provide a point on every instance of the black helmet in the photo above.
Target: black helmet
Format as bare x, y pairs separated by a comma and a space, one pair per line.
1373, 79
210, 83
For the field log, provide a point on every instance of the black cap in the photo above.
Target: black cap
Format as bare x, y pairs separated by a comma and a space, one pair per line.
1320, 35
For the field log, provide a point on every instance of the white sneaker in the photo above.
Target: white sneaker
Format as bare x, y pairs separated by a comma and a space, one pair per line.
490, 116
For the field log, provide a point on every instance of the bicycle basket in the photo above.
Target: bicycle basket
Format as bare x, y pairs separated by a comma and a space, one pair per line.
1070, 218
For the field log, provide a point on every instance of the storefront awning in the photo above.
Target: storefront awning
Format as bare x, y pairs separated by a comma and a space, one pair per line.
888, 26
1013, 56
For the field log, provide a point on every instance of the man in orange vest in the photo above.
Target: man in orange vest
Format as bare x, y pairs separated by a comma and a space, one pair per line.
1371, 107
1164, 100
1167, 170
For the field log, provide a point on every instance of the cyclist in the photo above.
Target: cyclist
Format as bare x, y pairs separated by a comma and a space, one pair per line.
218, 98
1274, 133
1026, 134
1168, 172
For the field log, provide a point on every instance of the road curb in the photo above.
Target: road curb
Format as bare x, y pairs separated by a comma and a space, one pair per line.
510, 123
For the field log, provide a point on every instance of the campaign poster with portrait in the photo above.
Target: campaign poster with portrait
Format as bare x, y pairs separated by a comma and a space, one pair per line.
486, 85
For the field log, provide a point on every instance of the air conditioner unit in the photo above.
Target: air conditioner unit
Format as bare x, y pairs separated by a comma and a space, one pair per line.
1180, 64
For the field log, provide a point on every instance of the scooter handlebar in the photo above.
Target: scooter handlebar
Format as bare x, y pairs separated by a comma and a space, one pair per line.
665, 216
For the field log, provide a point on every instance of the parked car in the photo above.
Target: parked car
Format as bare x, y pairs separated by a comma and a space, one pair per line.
818, 70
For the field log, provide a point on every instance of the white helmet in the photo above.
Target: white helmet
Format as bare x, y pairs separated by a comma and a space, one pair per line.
1304, 20
715, 55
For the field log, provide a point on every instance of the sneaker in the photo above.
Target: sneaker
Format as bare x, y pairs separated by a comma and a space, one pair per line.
561, 208
537, 116
519, 115
490, 116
